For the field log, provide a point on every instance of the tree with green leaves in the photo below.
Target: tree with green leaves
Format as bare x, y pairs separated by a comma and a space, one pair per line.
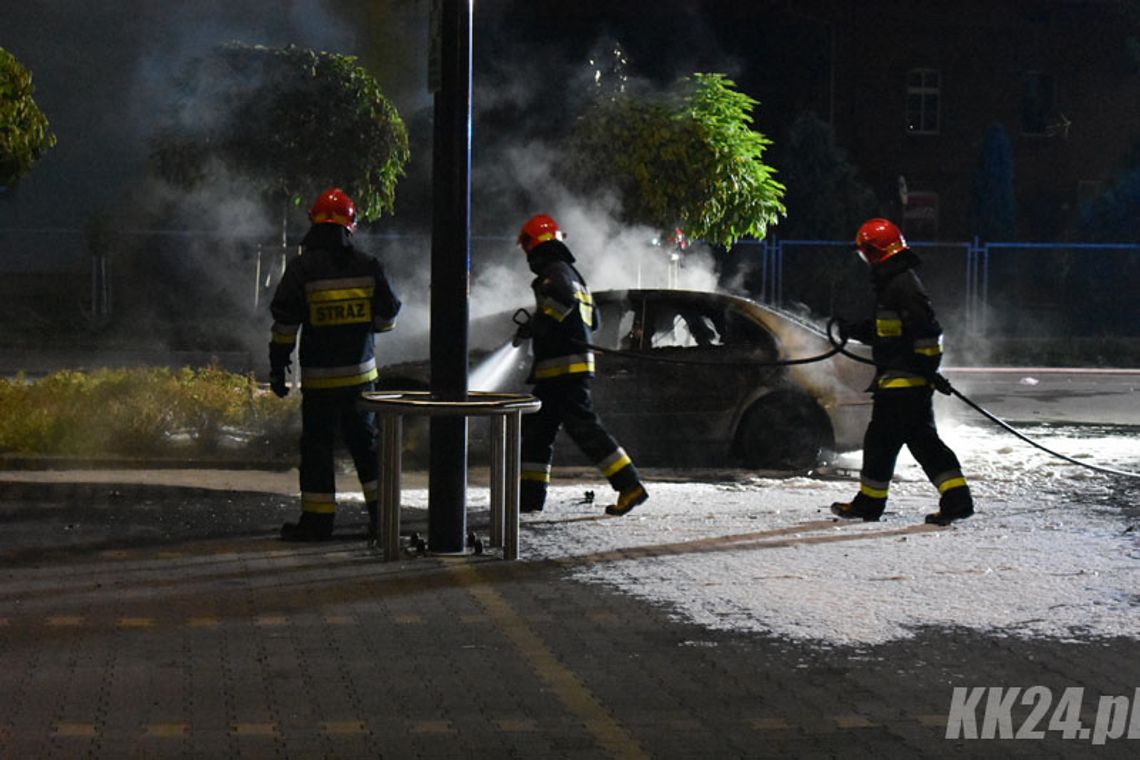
290, 120
688, 158
25, 134
826, 200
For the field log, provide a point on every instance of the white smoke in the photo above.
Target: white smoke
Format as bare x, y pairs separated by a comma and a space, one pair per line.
218, 236
611, 254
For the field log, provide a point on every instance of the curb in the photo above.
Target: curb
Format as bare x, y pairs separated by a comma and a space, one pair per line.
131, 463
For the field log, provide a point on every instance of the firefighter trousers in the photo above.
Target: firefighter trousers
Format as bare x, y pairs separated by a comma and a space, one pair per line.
906, 417
566, 402
323, 415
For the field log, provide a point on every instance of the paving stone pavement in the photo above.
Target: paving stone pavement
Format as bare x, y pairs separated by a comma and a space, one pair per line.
155, 622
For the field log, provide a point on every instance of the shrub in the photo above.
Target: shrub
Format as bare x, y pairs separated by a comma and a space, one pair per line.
145, 411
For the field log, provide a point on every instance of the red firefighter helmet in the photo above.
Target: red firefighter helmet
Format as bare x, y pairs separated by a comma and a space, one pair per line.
538, 229
879, 239
334, 207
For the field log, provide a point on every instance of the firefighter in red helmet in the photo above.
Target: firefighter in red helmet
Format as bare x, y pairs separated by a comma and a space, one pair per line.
336, 297
906, 341
562, 372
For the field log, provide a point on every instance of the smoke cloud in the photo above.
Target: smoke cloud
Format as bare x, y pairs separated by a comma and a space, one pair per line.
215, 245
517, 118
609, 253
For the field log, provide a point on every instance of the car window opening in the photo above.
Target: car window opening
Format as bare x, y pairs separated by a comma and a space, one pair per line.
649, 325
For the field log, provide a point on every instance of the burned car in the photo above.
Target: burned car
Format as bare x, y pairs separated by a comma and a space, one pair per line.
686, 379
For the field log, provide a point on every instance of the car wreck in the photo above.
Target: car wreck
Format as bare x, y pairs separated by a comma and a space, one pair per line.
693, 379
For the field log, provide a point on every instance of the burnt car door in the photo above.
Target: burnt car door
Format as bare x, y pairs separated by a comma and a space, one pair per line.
687, 364
616, 387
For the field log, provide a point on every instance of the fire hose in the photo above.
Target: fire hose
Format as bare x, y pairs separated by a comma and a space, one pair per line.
838, 347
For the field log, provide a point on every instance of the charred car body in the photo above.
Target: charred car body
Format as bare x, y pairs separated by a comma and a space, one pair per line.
686, 378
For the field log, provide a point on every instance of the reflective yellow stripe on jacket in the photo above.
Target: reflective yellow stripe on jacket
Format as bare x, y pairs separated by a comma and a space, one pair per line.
889, 380
320, 378
285, 335
574, 364
585, 306
928, 346
558, 311
341, 301
888, 324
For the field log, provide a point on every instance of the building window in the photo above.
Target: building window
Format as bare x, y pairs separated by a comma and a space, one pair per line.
923, 95
920, 215
1038, 104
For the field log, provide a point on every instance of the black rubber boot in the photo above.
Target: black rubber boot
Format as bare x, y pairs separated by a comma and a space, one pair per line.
956, 504
628, 499
860, 508
532, 496
311, 527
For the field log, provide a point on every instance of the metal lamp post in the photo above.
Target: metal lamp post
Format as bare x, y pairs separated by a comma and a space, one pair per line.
450, 79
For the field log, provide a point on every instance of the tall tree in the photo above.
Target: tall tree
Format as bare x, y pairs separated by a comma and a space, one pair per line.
25, 134
688, 158
290, 120
994, 214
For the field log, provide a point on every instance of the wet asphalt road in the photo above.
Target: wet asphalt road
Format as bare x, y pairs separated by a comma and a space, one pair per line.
1053, 395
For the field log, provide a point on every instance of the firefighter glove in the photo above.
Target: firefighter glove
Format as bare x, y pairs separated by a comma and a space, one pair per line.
941, 384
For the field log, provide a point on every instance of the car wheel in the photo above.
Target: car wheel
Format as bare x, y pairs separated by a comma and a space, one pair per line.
784, 431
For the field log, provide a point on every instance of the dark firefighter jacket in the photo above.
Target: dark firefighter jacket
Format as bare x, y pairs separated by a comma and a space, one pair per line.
337, 297
564, 315
905, 337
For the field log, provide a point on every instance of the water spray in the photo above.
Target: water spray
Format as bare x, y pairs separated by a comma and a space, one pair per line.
494, 370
